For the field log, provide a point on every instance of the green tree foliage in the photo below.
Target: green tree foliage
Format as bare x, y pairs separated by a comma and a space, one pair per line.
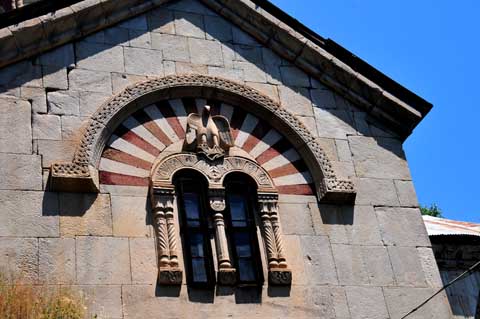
433, 210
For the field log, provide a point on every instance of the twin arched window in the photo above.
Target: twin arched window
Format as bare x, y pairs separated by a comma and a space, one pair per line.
197, 230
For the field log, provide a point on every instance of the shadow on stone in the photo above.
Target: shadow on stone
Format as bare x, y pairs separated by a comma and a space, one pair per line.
75, 204
224, 291
200, 295
248, 295
167, 291
336, 215
279, 291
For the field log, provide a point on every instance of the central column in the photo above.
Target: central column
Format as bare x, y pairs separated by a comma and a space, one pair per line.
226, 273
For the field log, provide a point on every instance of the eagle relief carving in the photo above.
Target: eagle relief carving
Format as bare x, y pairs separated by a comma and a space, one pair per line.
208, 135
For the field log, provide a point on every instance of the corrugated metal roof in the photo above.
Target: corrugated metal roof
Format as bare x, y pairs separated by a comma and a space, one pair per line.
442, 226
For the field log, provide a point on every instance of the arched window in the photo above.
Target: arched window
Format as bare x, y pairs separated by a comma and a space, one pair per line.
241, 208
194, 229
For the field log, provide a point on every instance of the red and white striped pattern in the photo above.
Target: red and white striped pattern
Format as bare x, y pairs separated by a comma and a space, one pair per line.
135, 144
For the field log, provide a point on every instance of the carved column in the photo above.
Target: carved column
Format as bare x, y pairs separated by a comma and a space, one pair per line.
163, 218
278, 272
226, 273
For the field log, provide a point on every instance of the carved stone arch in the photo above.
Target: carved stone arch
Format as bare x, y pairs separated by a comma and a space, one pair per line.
82, 173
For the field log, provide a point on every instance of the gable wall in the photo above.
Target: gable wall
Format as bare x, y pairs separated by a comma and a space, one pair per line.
372, 260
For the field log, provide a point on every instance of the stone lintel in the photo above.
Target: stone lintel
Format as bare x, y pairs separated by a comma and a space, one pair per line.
71, 177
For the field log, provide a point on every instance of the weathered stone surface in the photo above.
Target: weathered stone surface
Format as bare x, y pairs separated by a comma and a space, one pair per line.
21, 74
37, 98
191, 6
378, 158
251, 72
293, 251
20, 172
295, 219
143, 61
96, 266
430, 268
366, 303
85, 214
230, 74
121, 80
323, 98
295, 100
86, 80
401, 300
406, 266
140, 39
343, 170
293, 76
372, 191
28, 214
327, 302
378, 266
15, 129
189, 25
90, 102
186, 68
137, 23
55, 77
101, 57
63, 102
130, 216
318, 259
402, 226
55, 151
72, 127
310, 124
62, 56
218, 29
47, 127
406, 193
248, 53
205, 52
19, 258
161, 21
241, 37
349, 263
334, 123
102, 301
269, 90
143, 260
343, 150
173, 47
57, 260
117, 36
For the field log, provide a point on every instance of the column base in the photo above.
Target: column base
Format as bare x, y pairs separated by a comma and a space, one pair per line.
227, 276
280, 277
170, 276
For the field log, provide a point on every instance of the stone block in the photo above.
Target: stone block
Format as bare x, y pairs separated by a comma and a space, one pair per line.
100, 57
15, 126
102, 301
173, 47
327, 302
402, 226
293, 76
334, 123
328, 146
293, 252
189, 25
218, 29
375, 192
121, 80
343, 151
47, 127
379, 158
430, 268
378, 266
130, 216
267, 89
86, 80
241, 37
55, 151
61, 57
37, 98
72, 127
400, 301
117, 36
349, 264
85, 215
205, 52
366, 303
57, 260
295, 219
407, 267
137, 23
343, 170
161, 21
361, 124
252, 72
102, 260
28, 214
90, 102
295, 100
186, 68
143, 61
248, 53
55, 77
19, 258
318, 259
140, 39
143, 258
310, 124
406, 193
229, 74
63, 102
21, 74
323, 99
20, 172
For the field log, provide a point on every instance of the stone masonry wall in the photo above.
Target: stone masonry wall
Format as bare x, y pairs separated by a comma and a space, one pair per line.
371, 260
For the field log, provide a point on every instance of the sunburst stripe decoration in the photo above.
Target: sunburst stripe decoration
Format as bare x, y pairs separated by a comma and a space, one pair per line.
135, 144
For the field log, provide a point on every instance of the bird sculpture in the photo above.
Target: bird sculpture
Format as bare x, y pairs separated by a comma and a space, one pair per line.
207, 134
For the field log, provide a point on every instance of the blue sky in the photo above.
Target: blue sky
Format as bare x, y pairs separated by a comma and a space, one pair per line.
432, 48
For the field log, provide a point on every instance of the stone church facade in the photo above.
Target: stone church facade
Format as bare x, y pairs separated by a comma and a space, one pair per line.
208, 158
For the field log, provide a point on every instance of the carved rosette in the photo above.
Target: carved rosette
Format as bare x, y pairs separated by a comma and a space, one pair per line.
169, 271
278, 272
